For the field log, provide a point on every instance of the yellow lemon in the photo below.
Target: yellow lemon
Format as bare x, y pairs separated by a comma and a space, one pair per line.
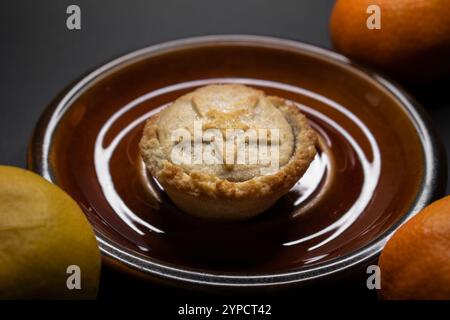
47, 247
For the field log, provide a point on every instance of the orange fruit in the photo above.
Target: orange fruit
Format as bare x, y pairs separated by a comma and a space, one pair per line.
413, 43
415, 263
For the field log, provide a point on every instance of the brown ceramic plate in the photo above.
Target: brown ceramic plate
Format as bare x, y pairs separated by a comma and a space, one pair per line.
378, 164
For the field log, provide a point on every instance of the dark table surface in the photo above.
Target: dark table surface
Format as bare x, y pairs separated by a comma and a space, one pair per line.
40, 57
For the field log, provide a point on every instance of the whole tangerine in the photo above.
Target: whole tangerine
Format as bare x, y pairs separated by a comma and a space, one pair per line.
412, 42
415, 263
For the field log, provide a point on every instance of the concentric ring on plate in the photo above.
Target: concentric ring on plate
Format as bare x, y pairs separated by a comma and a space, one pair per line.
375, 167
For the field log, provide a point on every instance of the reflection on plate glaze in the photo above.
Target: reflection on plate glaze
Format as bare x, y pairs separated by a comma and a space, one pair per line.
371, 176
314, 179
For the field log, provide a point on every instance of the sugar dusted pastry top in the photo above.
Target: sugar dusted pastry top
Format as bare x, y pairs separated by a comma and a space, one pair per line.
223, 107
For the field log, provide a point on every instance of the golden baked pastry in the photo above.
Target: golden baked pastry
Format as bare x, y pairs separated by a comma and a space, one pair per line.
227, 151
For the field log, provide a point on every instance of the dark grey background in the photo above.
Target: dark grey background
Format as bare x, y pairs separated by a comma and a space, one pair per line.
40, 57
